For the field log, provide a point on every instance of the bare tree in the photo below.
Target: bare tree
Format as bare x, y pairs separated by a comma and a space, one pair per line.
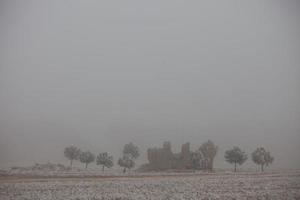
126, 162
105, 160
131, 150
235, 156
72, 153
130, 153
209, 151
86, 158
262, 157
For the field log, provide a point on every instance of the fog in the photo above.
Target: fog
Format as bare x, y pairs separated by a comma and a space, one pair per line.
99, 74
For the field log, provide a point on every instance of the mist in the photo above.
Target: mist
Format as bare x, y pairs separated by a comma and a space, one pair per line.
100, 74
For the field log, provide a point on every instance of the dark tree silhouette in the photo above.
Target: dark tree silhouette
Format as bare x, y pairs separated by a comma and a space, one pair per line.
131, 150
209, 151
235, 156
262, 157
86, 158
72, 153
126, 162
105, 160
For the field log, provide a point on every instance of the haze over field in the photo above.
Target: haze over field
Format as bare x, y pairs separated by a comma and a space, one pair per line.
100, 74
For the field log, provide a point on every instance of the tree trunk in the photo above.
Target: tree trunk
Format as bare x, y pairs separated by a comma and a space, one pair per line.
235, 167
207, 165
102, 168
124, 170
211, 163
86, 165
71, 162
262, 167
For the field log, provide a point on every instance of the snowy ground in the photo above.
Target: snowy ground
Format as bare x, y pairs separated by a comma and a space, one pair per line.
213, 186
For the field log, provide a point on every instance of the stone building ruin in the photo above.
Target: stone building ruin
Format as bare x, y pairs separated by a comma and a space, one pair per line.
164, 159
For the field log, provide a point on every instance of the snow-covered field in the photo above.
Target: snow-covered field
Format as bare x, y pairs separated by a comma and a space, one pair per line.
211, 186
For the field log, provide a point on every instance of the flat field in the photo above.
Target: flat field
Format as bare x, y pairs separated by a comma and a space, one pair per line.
275, 185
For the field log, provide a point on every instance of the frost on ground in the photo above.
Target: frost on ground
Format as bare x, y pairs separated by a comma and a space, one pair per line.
215, 186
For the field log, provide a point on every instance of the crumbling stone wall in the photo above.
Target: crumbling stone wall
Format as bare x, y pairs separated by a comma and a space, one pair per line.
185, 155
163, 158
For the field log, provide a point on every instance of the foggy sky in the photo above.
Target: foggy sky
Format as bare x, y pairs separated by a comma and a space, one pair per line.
99, 74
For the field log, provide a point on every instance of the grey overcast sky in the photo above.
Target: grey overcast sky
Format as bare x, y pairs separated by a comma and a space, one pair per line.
99, 74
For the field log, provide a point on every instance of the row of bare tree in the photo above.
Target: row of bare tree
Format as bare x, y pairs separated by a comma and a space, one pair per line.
260, 157
127, 161
207, 150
